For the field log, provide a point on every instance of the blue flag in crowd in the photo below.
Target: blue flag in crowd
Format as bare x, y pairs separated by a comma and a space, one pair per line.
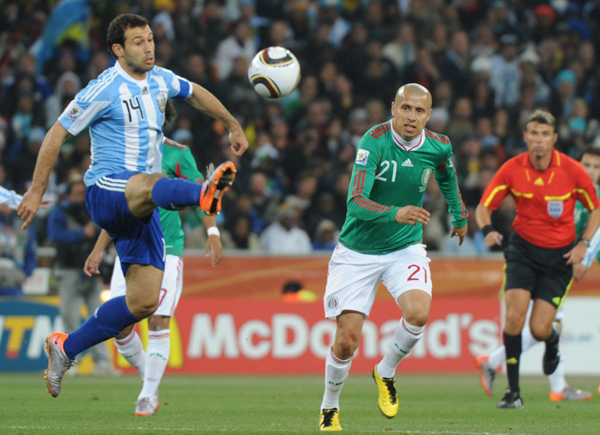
68, 20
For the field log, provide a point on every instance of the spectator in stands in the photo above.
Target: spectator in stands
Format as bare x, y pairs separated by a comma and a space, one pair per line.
339, 45
284, 236
505, 72
326, 236
239, 45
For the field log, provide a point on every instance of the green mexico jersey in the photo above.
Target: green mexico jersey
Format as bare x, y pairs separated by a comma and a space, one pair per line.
178, 162
387, 176
582, 215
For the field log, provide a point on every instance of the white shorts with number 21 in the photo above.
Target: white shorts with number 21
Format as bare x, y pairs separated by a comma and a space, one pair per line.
353, 277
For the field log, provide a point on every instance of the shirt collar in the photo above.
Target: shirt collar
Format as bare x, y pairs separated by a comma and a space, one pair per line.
556, 159
407, 145
123, 73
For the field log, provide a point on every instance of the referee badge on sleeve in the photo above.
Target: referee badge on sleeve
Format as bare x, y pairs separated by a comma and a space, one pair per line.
555, 209
361, 157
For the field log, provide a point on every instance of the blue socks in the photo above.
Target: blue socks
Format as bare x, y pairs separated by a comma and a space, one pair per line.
108, 320
176, 193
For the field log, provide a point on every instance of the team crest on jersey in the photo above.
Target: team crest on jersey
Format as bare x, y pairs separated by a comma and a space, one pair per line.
73, 111
332, 302
361, 157
162, 101
425, 179
555, 209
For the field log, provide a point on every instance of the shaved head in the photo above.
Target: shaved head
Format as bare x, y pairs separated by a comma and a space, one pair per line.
411, 110
413, 89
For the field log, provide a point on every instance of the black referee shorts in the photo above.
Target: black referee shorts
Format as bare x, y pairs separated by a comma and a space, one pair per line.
542, 271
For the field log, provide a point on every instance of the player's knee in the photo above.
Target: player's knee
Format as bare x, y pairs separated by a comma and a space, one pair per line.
158, 323
514, 324
540, 332
143, 309
346, 345
417, 317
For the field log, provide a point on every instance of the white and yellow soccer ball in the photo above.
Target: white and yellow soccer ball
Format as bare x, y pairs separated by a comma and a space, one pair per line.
274, 72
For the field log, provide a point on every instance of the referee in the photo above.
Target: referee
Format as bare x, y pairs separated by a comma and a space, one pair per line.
540, 255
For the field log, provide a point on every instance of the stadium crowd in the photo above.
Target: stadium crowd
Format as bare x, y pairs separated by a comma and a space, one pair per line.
488, 65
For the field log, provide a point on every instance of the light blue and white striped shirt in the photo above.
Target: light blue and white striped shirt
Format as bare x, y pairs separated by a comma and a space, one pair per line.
592, 250
9, 197
125, 117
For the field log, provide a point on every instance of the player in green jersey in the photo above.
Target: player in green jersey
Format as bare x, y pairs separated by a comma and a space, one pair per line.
590, 160
177, 162
382, 240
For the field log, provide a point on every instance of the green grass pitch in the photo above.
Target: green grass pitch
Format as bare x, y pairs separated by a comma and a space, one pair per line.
429, 404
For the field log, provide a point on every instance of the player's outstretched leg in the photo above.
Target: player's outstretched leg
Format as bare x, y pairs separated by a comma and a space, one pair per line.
215, 185
58, 362
486, 374
511, 400
329, 420
388, 399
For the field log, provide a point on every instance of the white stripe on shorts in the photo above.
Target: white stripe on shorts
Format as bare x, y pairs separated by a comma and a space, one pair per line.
113, 181
108, 187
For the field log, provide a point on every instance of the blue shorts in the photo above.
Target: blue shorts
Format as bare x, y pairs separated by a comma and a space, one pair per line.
138, 241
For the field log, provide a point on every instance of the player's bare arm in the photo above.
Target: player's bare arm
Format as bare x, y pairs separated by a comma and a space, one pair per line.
32, 199
412, 215
575, 255
207, 103
483, 216
92, 264
214, 249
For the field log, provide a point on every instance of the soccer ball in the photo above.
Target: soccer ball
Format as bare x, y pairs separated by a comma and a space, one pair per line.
274, 72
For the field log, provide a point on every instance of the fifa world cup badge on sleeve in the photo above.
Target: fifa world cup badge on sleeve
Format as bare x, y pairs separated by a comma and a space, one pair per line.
361, 157
73, 111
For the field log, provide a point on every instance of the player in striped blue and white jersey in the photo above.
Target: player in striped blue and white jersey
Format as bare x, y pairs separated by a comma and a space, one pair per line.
125, 111
9, 198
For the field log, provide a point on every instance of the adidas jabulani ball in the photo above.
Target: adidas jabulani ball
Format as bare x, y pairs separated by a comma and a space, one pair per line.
274, 72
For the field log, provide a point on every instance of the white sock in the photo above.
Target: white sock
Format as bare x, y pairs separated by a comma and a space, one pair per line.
498, 357
557, 379
405, 338
157, 357
336, 372
132, 350
527, 339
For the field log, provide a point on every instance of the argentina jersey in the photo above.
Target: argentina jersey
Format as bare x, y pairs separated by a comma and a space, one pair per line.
125, 118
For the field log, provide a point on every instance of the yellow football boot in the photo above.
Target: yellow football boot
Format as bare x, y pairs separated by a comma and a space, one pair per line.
329, 420
388, 399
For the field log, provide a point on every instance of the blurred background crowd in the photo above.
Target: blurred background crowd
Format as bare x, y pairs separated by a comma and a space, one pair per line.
488, 65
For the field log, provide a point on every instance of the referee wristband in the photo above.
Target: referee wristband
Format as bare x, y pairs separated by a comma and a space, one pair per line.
213, 231
487, 229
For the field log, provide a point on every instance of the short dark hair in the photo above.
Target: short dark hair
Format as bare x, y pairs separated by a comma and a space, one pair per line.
542, 117
118, 26
593, 151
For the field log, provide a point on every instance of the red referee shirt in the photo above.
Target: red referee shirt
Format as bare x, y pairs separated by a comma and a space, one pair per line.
545, 199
